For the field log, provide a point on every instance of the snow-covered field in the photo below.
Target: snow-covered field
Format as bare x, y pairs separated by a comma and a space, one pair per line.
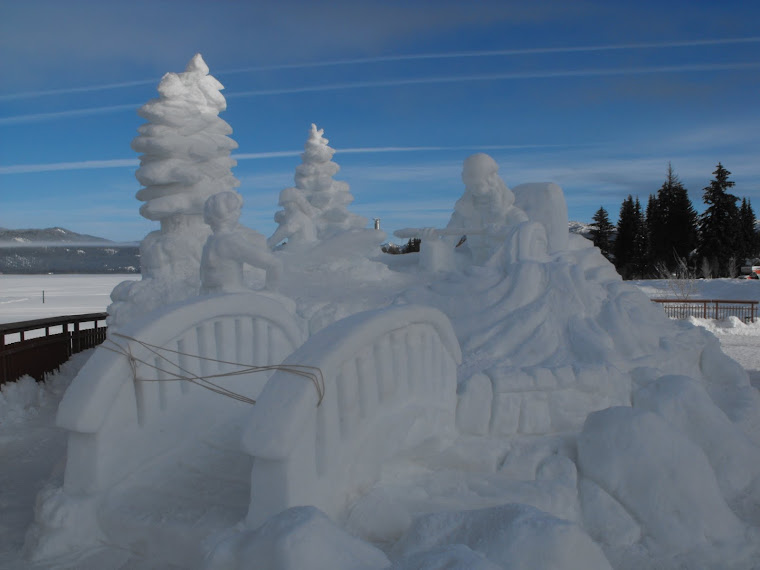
21, 295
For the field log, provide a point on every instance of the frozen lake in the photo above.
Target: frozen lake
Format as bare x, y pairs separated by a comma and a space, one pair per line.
21, 295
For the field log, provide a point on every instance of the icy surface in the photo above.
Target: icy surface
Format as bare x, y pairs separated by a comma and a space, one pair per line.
584, 430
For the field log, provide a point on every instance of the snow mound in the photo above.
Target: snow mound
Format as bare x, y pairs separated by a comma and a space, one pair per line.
509, 536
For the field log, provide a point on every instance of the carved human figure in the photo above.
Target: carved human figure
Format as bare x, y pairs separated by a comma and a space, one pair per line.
296, 219
230, 246
486, 206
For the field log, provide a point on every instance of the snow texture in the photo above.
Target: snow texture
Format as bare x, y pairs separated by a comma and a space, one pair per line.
231, 246
316, 208
185, 160
509, 403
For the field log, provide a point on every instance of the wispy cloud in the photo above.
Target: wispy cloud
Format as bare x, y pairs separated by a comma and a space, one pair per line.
133, 162
571, 73
400, 58
496, 53
72, 90
80, 165
619, 71
39, 117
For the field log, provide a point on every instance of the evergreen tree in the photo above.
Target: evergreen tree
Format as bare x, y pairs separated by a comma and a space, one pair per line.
601, 232
748, 237
718, 226
672, 223
630, 243
626, 237
639, 258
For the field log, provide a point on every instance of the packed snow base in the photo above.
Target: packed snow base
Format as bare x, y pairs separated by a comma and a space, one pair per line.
499, 400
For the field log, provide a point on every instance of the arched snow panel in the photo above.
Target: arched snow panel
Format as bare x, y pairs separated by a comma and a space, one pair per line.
383, 355
116, 423
306, 454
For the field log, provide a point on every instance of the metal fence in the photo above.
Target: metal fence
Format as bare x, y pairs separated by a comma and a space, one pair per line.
42, 345
709, 308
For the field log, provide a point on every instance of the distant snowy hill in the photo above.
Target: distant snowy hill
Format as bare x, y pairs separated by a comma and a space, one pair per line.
46, 236
58, 250
584, 229
580, 228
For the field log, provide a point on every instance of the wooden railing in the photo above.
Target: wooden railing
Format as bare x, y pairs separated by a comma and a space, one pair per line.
40, 346
709, 308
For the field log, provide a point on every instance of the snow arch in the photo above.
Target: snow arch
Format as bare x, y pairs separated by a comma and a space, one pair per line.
390, 383
118, 417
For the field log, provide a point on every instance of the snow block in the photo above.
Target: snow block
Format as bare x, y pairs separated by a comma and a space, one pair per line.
686, 406
604, 518
474, 400
655, 473
544, 202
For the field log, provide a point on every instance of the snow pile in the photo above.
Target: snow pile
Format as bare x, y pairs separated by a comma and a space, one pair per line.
21, 398
732, 326
186, 159
316, 207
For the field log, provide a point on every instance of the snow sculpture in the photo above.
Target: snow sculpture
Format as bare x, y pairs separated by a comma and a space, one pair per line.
230, 246
128, 419
390, 384
485, 209
296, 220
186, 159
316, 196
485, 220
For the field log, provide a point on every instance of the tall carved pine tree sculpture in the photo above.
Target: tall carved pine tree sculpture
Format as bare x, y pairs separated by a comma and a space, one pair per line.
316, 208
185, 159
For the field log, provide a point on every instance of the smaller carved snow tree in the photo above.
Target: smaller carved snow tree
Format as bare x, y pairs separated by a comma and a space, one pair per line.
185, 159
316, 208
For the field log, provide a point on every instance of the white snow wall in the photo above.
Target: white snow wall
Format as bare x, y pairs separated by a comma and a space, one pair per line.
390, 383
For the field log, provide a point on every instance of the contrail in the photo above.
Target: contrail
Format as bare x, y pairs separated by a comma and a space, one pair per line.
500, 77
494, 53
402, 57
35, 117
18, 119
81, 165
133, 162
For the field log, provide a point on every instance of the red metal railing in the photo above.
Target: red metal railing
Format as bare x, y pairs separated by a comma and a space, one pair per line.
42, 345
709, 308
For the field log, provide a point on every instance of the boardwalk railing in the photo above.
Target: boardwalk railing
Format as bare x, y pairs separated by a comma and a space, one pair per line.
42, 345
709, 308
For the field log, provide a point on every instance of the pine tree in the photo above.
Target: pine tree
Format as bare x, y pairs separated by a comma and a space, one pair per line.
630, 243
748, 237
718, 226
626, 237
672, 223
639, 258
601, 232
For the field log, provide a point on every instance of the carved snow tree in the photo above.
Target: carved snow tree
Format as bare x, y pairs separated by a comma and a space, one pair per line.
317, 207
185, 159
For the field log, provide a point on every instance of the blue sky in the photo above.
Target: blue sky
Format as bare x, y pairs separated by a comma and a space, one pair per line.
597, 96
